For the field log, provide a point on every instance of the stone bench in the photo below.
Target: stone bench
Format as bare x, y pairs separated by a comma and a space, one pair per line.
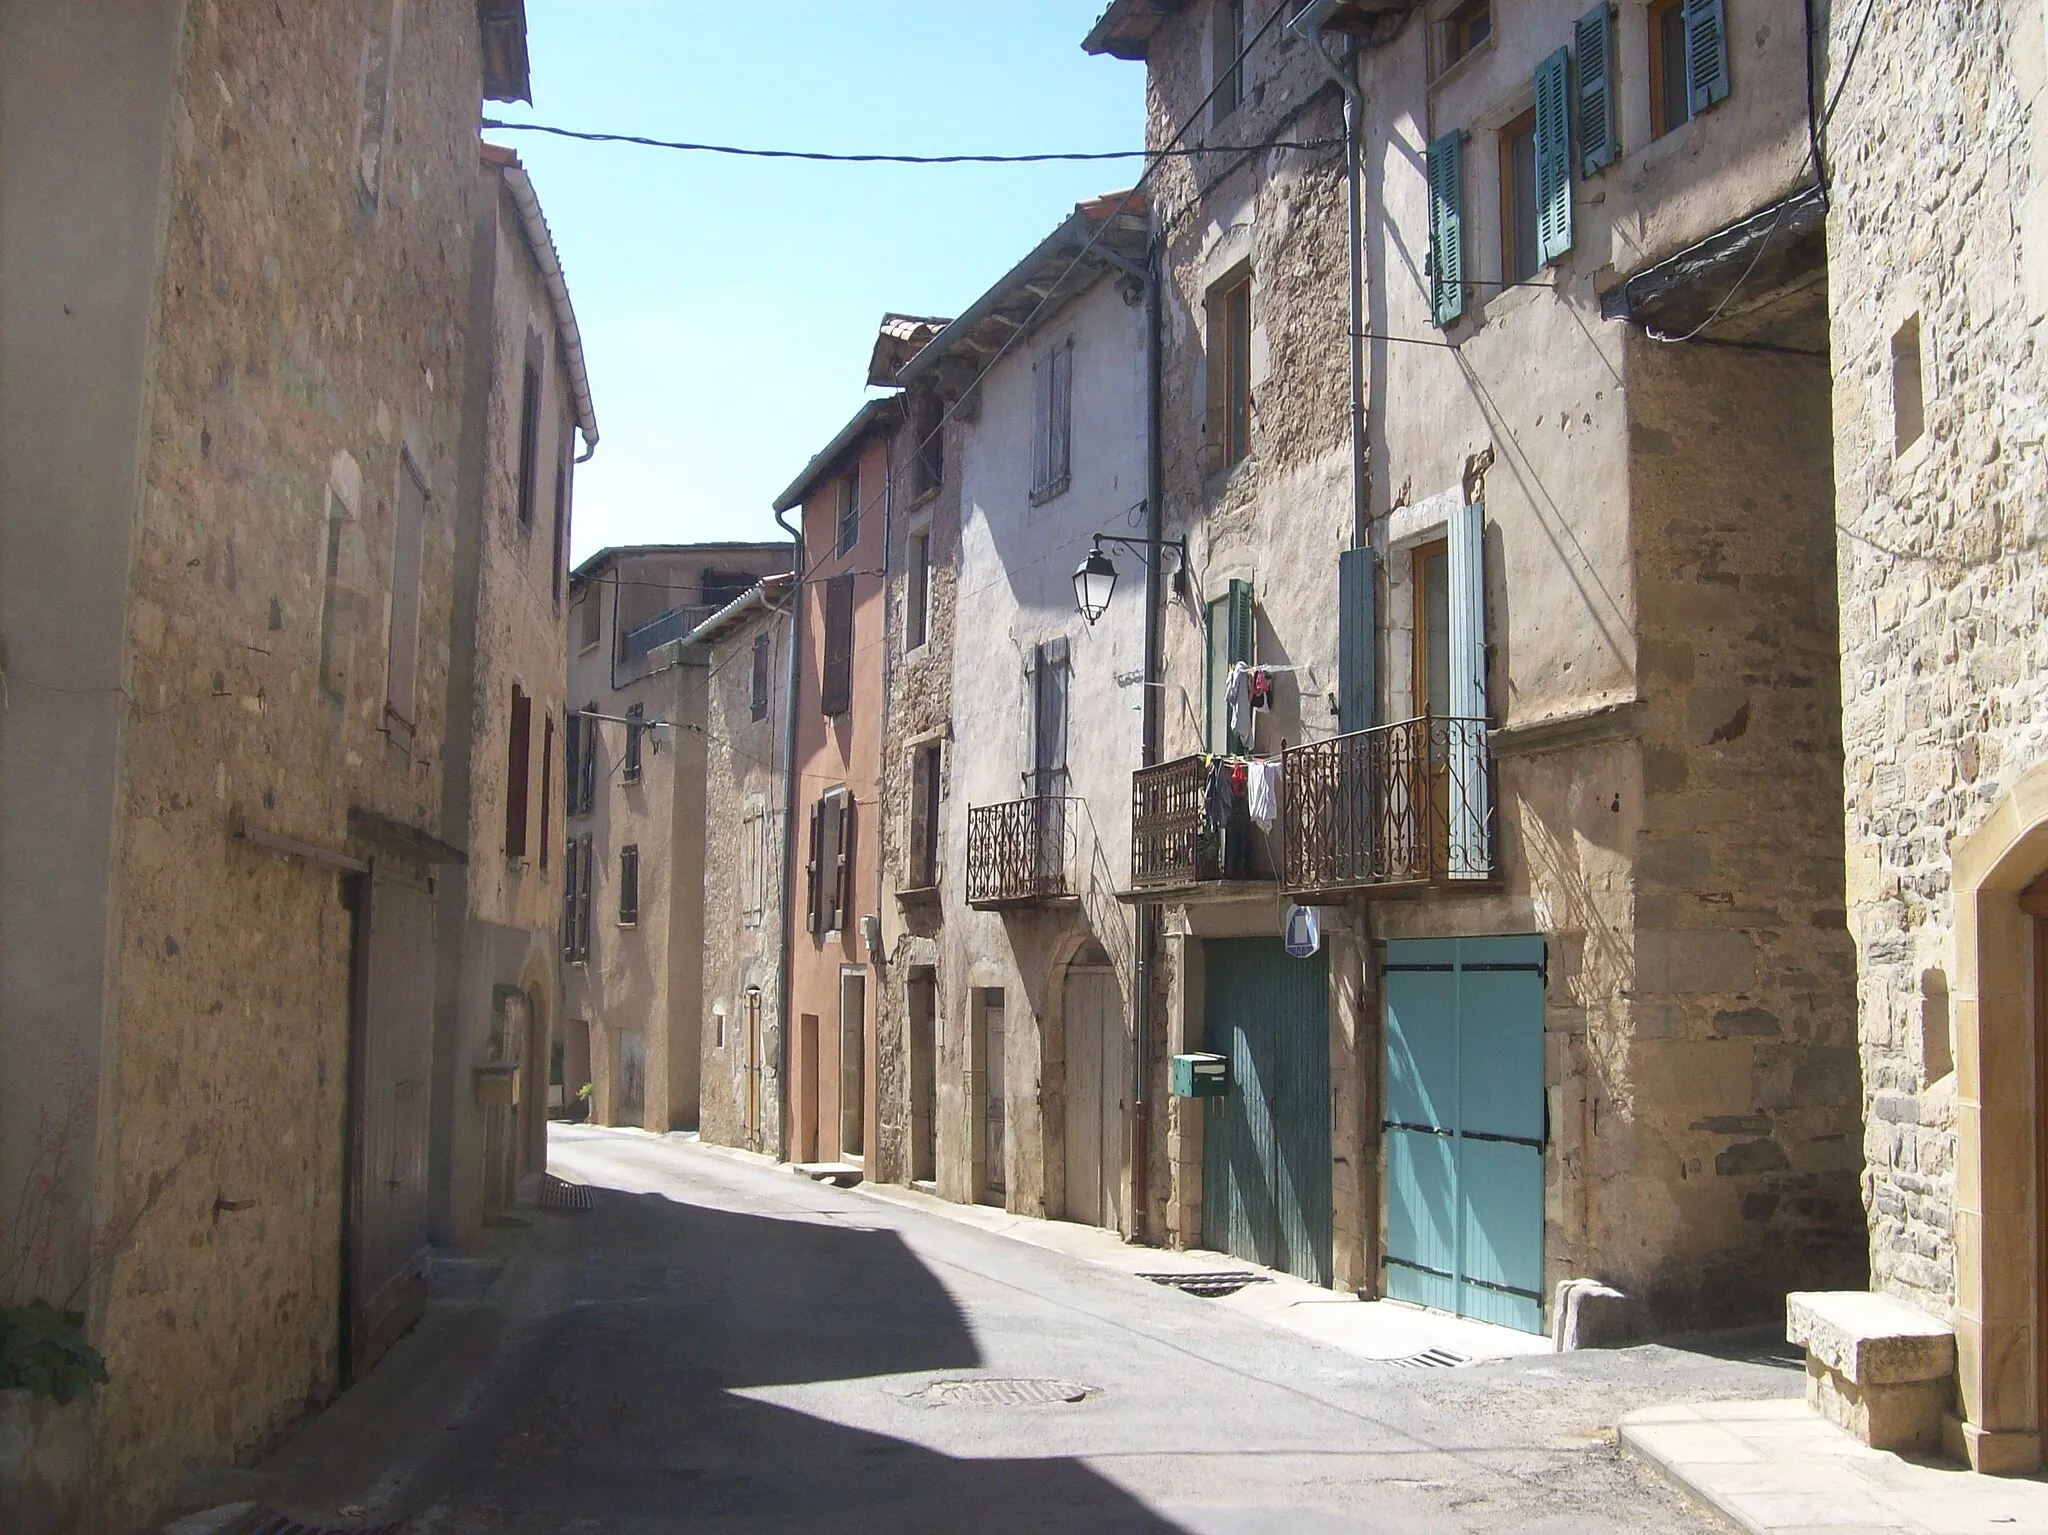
1877, 1366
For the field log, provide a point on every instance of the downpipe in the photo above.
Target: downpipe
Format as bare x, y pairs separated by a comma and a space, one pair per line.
787, 987
1155, 526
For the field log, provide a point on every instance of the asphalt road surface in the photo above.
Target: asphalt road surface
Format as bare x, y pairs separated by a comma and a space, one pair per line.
718, 1346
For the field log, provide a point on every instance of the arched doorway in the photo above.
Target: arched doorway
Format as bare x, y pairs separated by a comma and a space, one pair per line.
1095, 1040
2001, 1201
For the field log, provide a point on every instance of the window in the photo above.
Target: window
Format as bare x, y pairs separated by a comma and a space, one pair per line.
576, 901
1444, 168
1909, 404
1230, 644
723, 586
402, 645
1052, 421
1688, 61
1230, 370
925, 764
1593, 58
1518, 249
1049, 676
1430, 566
1226, 61
529, 442
583, 794
757, 694
629, 884
1465, 29
561, 542
1551, 150
590, 615
836, 693
928, 449
829, 872
754, 866
849, 511
570, 886
636, 727
547, 785
917, 595
518, 755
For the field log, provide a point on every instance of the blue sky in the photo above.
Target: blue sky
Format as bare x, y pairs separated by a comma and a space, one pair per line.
728, 306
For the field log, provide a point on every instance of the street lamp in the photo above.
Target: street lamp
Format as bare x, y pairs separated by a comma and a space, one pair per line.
1095, 581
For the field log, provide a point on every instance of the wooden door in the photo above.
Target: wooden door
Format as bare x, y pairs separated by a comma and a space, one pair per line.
995, 1136
804, 1133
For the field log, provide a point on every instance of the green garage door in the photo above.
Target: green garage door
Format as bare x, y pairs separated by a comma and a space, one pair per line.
1266, 1146
1465, 1127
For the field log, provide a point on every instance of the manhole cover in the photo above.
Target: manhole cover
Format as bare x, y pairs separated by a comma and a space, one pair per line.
1225, 1282
1008, 1393
557, 1194
1431, 1359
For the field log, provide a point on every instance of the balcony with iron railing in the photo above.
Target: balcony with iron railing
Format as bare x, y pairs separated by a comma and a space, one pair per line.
1191, 827
1020, 853
1399, 808
638, 645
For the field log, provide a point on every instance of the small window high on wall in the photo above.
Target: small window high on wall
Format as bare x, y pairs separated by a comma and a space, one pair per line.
518, 764
1230, 371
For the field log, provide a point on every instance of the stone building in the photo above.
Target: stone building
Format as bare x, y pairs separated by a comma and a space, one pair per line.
844, 500
1547, 641
1005, 838
235, 280
632, 876
747, 651
528, 395
1938, 260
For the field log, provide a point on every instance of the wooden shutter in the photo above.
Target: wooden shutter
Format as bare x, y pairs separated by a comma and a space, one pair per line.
1242, 644
1553, 156
1445, 167
569, 900
529, 443
547, 787
629, 884
589, 764
588, 862
842, 852
1465, 745
572, 767
518, 752
814, 904
1049, 716
924, 813
1706, 54
1357, 639
1060, 444
1593, 47
1041, 421
837, 692
635, 731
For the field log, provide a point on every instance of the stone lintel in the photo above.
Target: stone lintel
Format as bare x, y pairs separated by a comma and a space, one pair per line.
1870, 1339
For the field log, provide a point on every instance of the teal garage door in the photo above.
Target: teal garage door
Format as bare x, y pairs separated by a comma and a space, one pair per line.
1266, 1146
1465, 1127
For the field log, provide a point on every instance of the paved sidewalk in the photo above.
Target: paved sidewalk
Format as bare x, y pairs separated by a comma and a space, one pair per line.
1779, 1468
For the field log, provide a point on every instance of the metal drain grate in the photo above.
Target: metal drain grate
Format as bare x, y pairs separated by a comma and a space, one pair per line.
1211, 1286
268, 1521
555, 1194
1008, 1393
1431, 1359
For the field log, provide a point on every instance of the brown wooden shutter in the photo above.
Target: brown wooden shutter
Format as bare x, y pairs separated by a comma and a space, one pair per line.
836, 694
518, 751
921, 812
547, 786
843, 896
814, 905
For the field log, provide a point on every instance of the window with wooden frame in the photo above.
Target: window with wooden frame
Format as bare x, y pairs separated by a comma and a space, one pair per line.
753, 865
547, 785
518, 758
1519, 260
829, 882
1230, 370
926, 763
529, 442
1051, 674
636, 730
1052, 421
1226, 58
1465, 29
835, 694
1688, 61
849, 511
757, 687
917, 590
1430, 659
629, 884
1230, 642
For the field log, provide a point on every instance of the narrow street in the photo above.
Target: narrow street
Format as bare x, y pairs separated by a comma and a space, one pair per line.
716, 1346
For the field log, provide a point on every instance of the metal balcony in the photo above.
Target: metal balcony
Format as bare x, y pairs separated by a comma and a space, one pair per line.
1019, 853
1397, 808
1177, 840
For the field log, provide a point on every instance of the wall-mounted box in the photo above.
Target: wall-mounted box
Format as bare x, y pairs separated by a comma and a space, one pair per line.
1200, 1076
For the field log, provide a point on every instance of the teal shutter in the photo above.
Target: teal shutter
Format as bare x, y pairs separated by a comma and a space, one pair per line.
1464, 735
1240, 641
1445, 167
1554, 156
1706, 53
1593, 44
1357, 639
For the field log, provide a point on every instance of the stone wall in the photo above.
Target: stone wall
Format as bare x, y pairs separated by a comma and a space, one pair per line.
308, 335
1939, 213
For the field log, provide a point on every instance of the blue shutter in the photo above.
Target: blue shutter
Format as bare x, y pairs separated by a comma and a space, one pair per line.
1241, 644
1463, 736
1593, 45
1357, 639
1554, 156
1706, 53
1445, 168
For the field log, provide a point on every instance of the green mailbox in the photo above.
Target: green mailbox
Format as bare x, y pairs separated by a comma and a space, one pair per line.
1200, 1076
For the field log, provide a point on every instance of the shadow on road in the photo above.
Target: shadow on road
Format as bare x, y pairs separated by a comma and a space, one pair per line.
612, 1408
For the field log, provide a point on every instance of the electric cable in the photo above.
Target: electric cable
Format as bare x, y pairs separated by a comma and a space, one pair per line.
839, 157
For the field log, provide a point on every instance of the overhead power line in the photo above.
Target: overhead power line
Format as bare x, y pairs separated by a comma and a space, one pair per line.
839, 158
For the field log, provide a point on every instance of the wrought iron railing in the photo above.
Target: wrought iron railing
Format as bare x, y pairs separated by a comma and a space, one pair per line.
661, 629
1410, 804
1018, 852
1178, 837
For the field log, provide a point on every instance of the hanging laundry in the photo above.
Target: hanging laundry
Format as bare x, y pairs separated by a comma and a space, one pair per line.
1262, 688
1237, 702
1263, 793
1217, 802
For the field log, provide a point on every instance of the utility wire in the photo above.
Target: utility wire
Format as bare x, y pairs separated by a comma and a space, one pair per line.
836, 157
